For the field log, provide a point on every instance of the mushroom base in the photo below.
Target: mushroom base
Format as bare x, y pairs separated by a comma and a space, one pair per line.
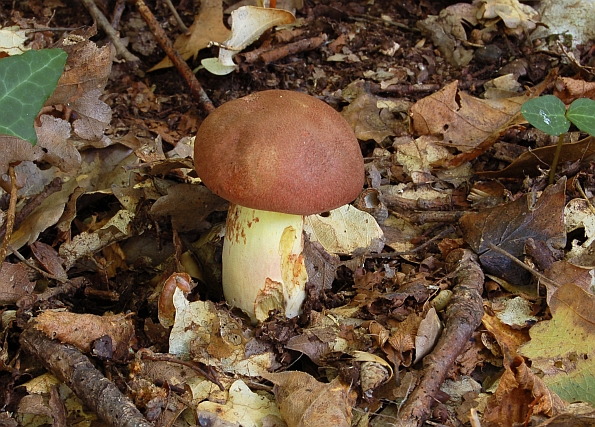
263, 264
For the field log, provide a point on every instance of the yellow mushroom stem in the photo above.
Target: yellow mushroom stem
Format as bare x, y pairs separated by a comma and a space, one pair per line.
263, 264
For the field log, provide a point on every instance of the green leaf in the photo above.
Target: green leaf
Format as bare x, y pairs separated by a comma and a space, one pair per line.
26, 82
546, 113
582, 113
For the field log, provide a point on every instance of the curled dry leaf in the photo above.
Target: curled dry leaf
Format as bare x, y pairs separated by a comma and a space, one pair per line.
519, 18
243, 408
305, 402
81, 330
87, 70
247, 25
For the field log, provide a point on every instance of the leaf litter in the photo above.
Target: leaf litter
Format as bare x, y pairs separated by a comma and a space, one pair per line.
131, 214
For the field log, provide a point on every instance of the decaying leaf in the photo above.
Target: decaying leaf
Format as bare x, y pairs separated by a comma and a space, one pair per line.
242, 408
305, 402
515, 15
211, 336
247, 25
53, 136
427, 334
562, 348
12, 40
188, 205
366, 119
345, 230
447, 32
508, 226
461, 120
82, 330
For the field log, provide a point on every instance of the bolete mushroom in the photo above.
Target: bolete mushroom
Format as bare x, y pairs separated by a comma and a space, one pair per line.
276, 156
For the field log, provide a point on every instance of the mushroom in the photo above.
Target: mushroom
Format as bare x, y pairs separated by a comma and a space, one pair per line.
276, 156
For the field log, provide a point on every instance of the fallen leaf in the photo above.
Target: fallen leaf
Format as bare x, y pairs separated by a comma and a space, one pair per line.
461, 120
345, 230
242, 408
188, 205
508, 226
207, 27
53, 137
515, 15
562, 348
364, 117
529, 163
447, 31
508, 339
305, 402
247, 25
14, 283
82, 330
518, 390
211, 336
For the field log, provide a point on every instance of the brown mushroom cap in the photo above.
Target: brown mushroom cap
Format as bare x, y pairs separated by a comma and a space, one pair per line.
279, 151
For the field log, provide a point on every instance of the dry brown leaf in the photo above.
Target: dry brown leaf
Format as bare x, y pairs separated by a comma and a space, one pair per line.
305, 402
569, 89
94, 116
508, 226
87, 68
518, 390
365, 118
15, 150
508, 339
52, 136
188, 205
207, 27
81, 330
529, 163
462, 120
49, 259
14, 283
447, 31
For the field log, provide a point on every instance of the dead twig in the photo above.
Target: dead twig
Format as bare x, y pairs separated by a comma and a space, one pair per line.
463, 316
105, 25
197, 91
73, 368
12, 207
268, 55
179, 21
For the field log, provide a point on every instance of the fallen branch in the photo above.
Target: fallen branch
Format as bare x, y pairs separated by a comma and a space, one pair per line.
113, 35
268, 55
197, 91
463, 316
75, 370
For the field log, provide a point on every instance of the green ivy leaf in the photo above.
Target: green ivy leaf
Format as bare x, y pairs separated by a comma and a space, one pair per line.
546, 113
26, 82
582, 113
